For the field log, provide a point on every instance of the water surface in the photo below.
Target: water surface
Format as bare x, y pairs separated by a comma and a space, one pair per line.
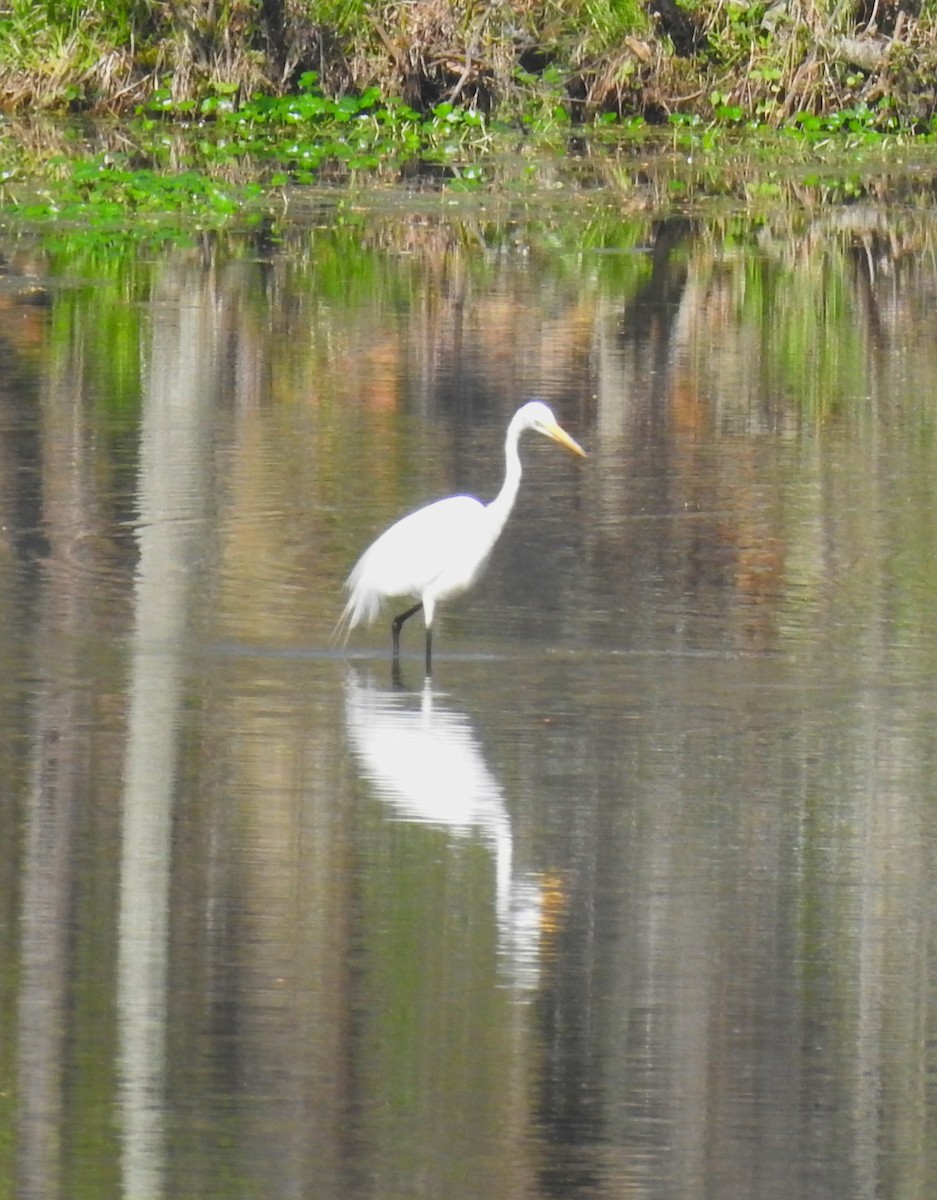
634, 896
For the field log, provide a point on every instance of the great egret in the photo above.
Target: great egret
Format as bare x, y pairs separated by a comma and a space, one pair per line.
439, 551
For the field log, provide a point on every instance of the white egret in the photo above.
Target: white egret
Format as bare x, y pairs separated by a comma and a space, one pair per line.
439, 551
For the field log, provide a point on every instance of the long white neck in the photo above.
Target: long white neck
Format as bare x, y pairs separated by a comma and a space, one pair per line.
500, 508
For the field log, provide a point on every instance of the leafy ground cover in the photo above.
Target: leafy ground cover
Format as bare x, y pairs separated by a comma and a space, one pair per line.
228, 110
206, 161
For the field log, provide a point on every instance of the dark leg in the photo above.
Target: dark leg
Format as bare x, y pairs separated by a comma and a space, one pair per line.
429, 650
398, 621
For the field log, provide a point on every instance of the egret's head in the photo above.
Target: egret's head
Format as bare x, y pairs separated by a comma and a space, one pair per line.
539, 416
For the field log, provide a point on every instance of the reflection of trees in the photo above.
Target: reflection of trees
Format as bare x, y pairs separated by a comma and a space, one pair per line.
751, 868
172, 501
50, 505
758, 342
759, 407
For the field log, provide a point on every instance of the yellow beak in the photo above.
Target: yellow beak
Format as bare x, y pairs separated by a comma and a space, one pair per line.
560, 435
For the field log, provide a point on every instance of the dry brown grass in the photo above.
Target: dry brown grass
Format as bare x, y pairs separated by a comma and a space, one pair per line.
429, 50
801, 56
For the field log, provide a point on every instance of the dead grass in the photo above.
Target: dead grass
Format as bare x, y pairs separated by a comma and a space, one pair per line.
427, 51
769, 63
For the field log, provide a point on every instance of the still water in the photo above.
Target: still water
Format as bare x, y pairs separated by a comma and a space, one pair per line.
637, 896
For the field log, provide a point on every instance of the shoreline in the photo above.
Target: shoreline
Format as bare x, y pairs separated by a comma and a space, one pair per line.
729, 65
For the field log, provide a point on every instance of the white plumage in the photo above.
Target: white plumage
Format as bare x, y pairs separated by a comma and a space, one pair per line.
439, 551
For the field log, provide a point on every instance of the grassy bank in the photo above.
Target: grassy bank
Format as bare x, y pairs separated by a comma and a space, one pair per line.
229, 109
771, 62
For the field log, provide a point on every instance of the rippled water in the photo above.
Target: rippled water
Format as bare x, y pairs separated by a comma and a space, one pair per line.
635, 895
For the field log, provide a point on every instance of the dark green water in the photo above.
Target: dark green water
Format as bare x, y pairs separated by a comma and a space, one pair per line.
636, 896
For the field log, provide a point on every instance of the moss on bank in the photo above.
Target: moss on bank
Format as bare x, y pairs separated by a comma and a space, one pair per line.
729, 60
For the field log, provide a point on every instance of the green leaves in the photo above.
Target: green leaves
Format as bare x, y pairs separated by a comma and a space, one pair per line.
111, 194
197, 163
206, 160
303, 132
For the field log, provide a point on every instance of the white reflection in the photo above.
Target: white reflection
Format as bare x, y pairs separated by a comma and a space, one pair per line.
171, 493
426, 763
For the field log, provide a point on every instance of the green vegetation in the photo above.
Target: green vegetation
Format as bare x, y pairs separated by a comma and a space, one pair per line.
223, 116
733, 60
209, 160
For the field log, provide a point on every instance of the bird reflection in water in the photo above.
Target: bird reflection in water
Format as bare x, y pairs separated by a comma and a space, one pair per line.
425, 762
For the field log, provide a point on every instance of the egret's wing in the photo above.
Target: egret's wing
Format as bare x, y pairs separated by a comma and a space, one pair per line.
410, 555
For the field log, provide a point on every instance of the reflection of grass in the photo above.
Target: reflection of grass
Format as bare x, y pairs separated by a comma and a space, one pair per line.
800, 304
158, 175
235, 156
224, 154
780, 305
